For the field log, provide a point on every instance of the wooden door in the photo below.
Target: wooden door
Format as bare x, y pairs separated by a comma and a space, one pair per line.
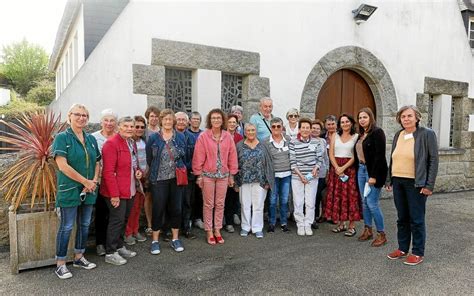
345, 91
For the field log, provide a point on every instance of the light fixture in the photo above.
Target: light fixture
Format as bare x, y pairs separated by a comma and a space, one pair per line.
363, 13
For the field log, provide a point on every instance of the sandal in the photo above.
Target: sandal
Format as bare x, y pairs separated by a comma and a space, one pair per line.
219, 240
350, 232
339, 229
211, 240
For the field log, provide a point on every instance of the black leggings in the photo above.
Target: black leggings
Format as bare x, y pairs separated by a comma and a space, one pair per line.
167, 197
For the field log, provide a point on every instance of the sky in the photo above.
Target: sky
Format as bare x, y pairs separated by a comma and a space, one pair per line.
35, 20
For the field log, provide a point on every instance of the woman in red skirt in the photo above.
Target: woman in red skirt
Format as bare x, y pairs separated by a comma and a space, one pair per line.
343, 199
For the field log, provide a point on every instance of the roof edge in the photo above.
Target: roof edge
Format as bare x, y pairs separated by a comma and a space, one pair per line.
70, 11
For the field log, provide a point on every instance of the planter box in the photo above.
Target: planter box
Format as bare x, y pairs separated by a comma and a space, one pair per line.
33, 240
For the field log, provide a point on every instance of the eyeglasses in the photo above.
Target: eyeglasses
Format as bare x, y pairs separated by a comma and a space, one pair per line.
276, 126
216, 118
80, 115
293, 116
139, 126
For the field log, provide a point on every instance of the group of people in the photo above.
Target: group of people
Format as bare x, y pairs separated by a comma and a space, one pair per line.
232, 173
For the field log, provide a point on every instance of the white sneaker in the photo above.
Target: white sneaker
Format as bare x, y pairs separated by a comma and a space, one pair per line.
125, 253
308, 230
300, 231
236, 219
199, 224
115, 259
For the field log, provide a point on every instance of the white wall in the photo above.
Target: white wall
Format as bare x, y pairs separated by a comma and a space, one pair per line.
4, 96
413, 39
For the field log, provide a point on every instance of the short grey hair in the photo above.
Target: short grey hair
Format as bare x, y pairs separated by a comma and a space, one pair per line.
265, 99
276, 120
125, 119
195, 113
237, 108
181, 113
407, 107
108, 112
330, 118
248, 124
292, 111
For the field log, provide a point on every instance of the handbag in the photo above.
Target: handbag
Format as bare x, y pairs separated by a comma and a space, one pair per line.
181, 173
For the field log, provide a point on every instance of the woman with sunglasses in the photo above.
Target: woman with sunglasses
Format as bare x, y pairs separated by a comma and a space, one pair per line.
277, 147
291, 129
132, 235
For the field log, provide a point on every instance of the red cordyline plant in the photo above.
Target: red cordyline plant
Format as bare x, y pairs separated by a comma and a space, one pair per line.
32, 177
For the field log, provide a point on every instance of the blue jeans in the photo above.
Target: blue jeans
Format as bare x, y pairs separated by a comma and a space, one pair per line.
371, 206
82, 216
411, 206
281, 189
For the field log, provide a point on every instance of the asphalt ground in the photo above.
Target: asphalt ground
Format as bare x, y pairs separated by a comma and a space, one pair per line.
281, 263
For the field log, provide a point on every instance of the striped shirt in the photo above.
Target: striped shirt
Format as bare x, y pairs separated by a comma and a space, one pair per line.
305, 155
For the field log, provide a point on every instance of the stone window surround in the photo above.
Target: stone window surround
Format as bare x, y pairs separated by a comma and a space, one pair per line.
456, 164
150, 79
370, 68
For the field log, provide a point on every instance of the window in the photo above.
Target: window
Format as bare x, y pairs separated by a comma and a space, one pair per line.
178, 91
231, 91
470, 32
76, 54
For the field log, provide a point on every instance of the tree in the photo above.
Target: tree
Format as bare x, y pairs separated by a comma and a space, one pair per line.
42, 94
24, 65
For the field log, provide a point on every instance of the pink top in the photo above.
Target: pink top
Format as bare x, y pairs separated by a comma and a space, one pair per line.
205, 154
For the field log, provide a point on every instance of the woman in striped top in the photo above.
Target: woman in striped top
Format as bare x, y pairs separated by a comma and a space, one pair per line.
306, 157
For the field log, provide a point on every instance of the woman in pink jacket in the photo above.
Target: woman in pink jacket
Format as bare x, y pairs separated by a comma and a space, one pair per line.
214, 164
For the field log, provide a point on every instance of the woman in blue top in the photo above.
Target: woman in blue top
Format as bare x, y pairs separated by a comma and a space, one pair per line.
77, 156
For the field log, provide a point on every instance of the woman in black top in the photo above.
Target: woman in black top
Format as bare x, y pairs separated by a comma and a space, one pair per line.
371, 175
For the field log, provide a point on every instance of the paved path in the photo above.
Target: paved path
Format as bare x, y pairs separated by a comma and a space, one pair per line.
327, 263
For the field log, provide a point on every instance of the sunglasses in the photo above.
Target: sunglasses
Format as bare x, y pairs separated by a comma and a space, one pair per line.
293, 116
276, 126
139, 126
80, 115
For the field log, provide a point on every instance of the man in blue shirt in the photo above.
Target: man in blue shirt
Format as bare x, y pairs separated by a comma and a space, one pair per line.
261, 120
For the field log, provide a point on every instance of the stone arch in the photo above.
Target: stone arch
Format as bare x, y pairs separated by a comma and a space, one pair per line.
365, 64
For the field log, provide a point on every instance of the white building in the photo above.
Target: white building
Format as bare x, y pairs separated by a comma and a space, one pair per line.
311, 55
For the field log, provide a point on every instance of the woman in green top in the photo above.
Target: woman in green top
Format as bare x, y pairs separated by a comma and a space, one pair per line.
77, 156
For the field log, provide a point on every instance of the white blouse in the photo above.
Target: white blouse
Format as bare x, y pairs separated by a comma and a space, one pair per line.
345, 149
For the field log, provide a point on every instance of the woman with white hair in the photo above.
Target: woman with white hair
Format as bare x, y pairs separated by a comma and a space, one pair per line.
291, 129
108, 122
77, 156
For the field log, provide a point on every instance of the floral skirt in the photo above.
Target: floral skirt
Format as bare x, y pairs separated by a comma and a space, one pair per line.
343, 201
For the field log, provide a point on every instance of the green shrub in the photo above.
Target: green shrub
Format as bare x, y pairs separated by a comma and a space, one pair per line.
42, 94
15, 108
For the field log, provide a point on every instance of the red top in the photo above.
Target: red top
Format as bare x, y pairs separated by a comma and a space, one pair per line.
237, 137
116, 168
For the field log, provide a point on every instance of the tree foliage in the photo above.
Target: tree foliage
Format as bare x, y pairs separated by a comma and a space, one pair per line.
24, 65
42, 94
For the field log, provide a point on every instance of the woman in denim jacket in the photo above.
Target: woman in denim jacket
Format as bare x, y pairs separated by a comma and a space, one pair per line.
165, 151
